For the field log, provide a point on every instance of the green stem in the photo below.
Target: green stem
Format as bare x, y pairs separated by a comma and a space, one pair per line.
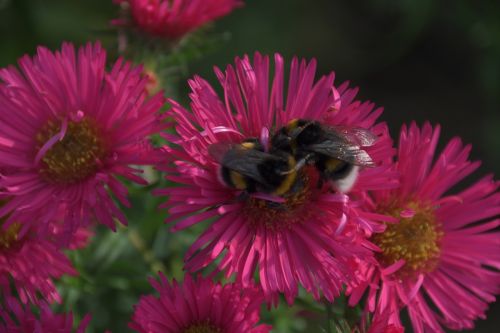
329, 317
148, 256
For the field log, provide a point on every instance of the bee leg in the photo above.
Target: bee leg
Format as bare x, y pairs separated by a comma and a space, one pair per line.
299, 165
243, 196
274, 205
321, 182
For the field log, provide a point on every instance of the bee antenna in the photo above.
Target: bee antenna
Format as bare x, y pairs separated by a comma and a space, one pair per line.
299, 165
295, 132
287, 172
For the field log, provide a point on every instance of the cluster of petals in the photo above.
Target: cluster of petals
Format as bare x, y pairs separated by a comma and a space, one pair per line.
18, 318
317, 242
174, 18
456, 288
380, 323
199, 305
68, 129
31, 261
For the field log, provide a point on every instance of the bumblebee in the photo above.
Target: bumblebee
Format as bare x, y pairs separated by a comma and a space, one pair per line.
335, 151
247, 167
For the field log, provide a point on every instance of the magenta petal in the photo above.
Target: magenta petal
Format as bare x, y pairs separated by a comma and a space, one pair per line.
407, 213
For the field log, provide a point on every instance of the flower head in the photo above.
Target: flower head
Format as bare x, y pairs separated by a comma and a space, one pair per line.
17, 318
173, 19
32, 259
441, 258
305, 239
199, 305
68, 128
380, 324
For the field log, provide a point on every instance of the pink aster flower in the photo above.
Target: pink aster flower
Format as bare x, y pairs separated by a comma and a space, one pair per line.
441, 259
68, 129
31, 261
380, 327
380, 323
174, 18
306, 239
199, 306
16, 318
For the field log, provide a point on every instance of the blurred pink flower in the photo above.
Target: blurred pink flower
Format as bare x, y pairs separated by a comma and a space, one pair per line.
379, 327
444, 252
17, 318
31, 261
68, 128
380, 324
174, 18
199, 306
306, 240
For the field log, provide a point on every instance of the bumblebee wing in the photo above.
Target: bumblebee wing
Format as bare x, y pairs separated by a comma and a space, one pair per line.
219, 150
237, 158
344, 151
356, 135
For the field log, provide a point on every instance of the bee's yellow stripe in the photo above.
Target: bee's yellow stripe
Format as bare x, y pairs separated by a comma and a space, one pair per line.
289, 179
332, 164
248, 145
238, 180
292, 124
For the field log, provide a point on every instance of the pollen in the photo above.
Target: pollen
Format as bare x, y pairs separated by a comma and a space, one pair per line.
10, 236
153, 82
76, 156
416, 240
279, 215
205, 327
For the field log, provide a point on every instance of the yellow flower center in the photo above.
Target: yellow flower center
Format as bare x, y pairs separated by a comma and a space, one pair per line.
205, 327
9, 236
153, 84
73, 158
278, 215
414, 239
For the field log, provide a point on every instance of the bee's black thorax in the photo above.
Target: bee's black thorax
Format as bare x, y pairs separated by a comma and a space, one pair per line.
281, 141
273, 171
310, 134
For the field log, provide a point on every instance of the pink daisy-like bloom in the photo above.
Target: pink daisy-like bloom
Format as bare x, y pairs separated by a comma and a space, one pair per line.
199, 306
30, 262
68, 128
308, 239
380, 324
16, 318
174, 18
441, 259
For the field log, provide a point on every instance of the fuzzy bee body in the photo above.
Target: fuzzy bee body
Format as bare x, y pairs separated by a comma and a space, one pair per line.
247, 167
336, 152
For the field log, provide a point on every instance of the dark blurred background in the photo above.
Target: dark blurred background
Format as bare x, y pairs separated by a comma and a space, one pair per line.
420, 59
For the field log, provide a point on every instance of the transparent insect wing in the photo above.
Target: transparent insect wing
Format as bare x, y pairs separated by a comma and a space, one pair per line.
344, 151
219, 150
356, 135
240, 159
